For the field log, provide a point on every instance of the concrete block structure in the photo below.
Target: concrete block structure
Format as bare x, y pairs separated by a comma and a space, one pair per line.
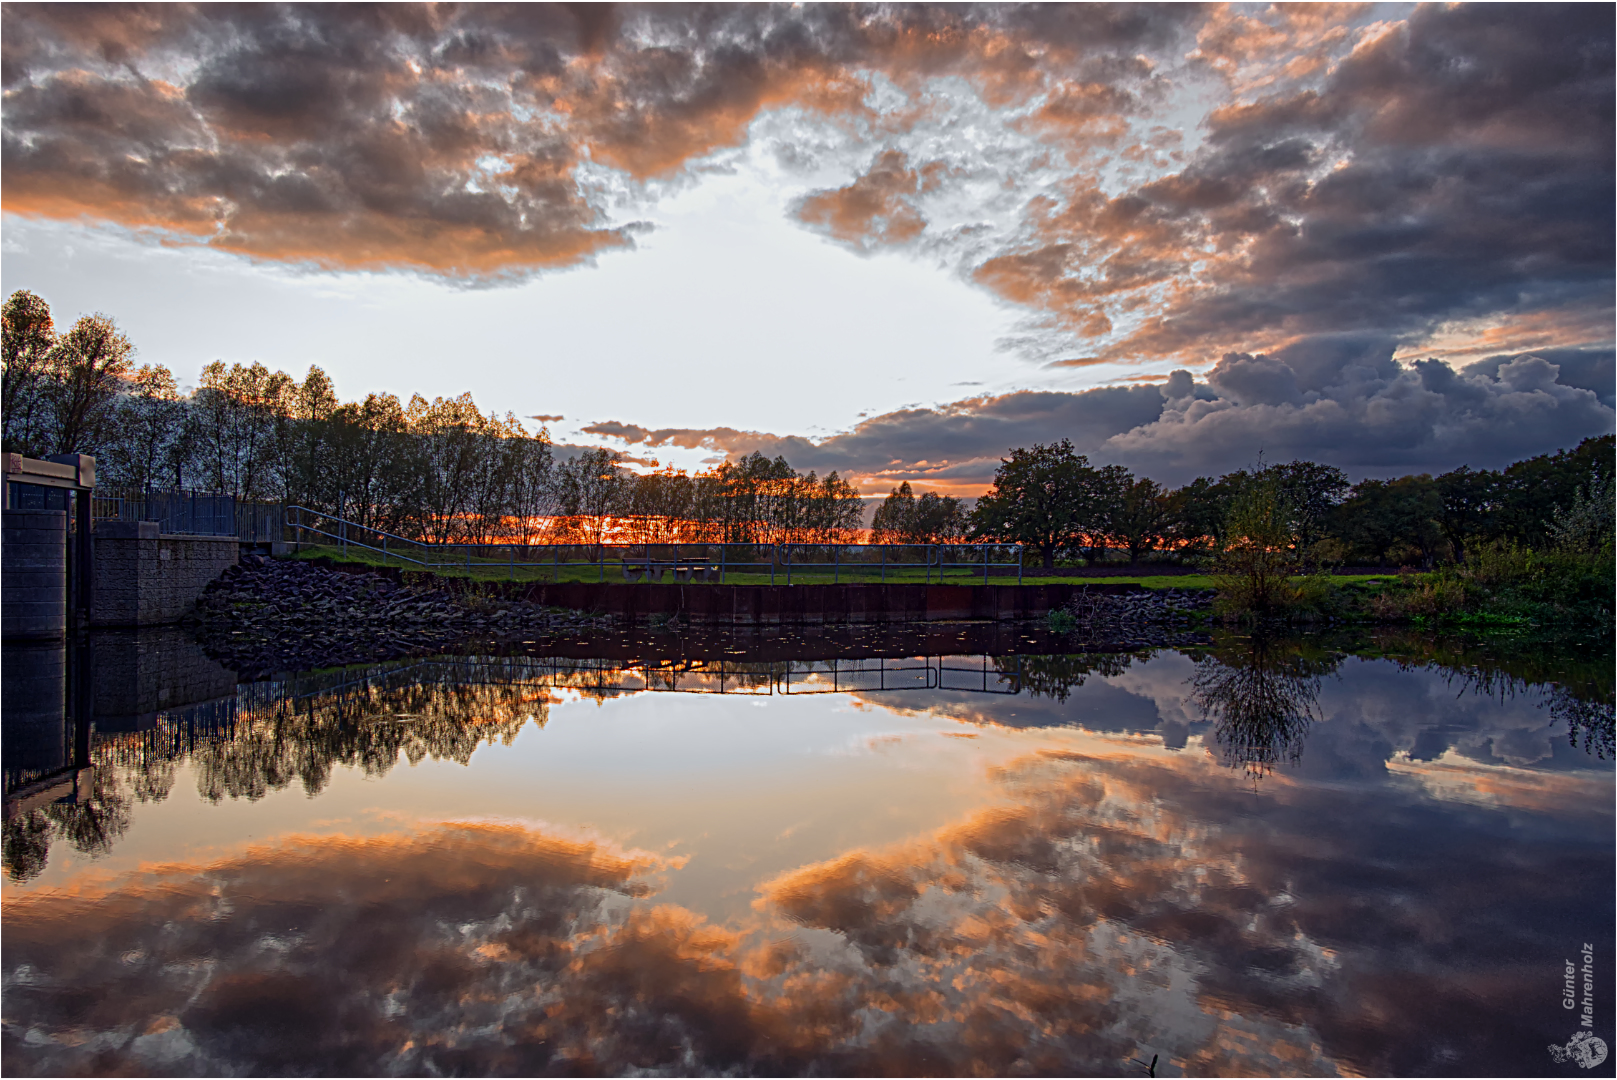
33, 574
147, 578
141, 673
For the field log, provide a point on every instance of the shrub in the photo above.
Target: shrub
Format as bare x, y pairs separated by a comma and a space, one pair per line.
1258, 558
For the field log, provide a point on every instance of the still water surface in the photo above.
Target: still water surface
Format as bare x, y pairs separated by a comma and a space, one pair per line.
1271, 858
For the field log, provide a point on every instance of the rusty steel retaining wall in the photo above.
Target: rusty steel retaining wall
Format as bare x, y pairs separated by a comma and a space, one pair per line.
773, 605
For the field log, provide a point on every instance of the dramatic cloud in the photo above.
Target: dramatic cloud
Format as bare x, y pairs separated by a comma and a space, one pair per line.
1158, 182
876, 208
1340, 399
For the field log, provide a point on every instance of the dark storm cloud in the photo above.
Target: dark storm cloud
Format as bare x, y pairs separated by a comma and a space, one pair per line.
1339, 399
1587, 369
1459, 167
944, 447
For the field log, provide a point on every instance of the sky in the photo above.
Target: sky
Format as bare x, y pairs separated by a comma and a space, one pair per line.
891, 241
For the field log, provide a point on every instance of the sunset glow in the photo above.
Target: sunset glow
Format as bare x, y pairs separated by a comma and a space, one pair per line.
890, 242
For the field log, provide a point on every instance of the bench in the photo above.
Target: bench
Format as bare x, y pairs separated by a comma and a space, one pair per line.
684, 569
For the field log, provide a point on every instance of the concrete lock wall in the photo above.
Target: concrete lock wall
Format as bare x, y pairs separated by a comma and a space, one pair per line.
33, 574
147, 578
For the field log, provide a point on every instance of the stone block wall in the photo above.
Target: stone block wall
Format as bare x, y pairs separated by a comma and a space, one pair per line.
147, 578
33, 562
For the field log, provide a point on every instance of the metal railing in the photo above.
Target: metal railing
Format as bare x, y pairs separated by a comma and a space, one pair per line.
794, 563
195, 513
192, 513
970, 673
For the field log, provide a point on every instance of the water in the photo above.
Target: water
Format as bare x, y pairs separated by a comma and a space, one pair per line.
627, 854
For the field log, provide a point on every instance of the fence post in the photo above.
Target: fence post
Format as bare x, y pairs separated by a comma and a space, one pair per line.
883, 550
985, 564
722, 549
773, 555
1019, 564
384, 549
927, 555
788, 564
836, 565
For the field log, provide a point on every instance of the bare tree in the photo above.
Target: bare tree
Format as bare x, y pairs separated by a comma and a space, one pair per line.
592, 489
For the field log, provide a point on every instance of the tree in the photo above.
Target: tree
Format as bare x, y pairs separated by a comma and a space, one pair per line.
1141, 519
1394, 520
1312, 491
1043, 497
236, 412
86, 369
1469, 502
148, 431
592, 489
27, 336
903, 518
1531, 489
824, 511
1197, 512
1585, 524
1258, 553
661, 506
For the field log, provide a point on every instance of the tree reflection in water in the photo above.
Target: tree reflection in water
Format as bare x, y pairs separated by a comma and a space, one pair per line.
263, 742
1592, 722
1262, 700
1056, 675
90, 825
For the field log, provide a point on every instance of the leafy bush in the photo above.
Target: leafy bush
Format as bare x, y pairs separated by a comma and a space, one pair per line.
1061, 621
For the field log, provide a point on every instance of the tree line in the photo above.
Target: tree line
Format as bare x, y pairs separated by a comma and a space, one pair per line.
444, 471
1052, 499
438, 471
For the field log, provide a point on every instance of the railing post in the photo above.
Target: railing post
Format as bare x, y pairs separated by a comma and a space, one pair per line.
985, 564
1019, 564
788, 564
883, 550
836, 565
927, 555
722, 551
773, 554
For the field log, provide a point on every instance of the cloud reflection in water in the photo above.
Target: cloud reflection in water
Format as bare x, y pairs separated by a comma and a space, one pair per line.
1112, 897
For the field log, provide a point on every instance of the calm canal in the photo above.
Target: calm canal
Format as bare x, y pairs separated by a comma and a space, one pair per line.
1302, 857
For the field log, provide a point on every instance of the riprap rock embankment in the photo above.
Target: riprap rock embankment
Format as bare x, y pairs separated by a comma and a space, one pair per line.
269, 615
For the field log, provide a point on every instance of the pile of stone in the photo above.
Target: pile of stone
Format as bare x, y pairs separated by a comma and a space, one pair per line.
271, 615
1155, 617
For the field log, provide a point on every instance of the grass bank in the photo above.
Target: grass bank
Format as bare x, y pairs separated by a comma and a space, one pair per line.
1498, 589
496, 569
